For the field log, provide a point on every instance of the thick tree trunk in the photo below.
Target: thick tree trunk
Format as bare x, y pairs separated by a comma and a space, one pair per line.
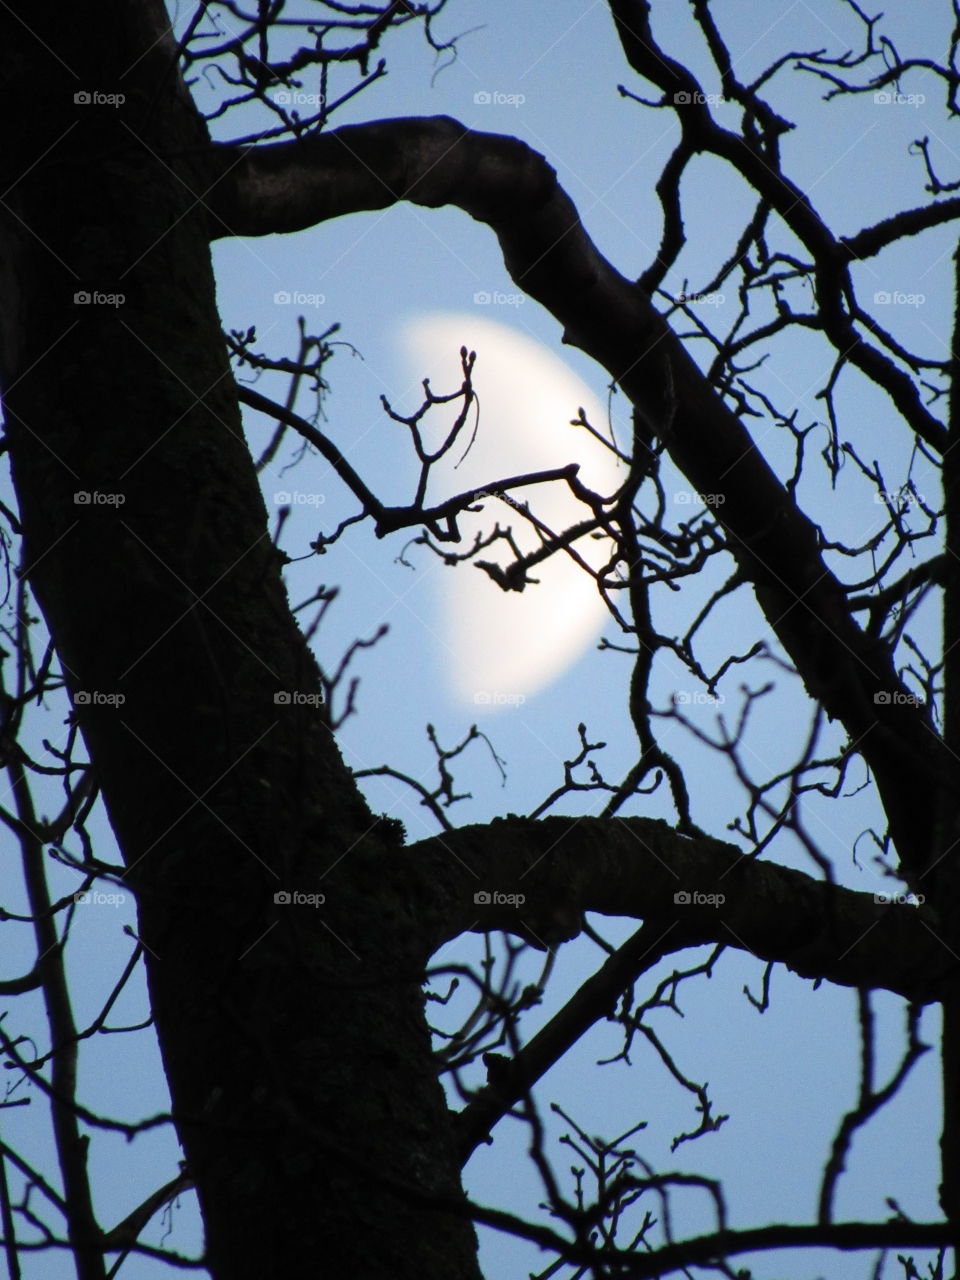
946, 862
294, 1037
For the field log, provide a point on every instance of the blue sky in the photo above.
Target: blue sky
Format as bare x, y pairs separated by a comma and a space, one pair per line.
549, 75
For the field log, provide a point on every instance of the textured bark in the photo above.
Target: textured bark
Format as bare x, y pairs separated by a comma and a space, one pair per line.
947, 871
636, 867
297, 1055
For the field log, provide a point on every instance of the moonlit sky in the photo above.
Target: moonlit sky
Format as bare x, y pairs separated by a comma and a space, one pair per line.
408, 287
403, 283
504, 646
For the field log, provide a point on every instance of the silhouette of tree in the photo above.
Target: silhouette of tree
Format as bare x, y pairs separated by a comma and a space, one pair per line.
286, 932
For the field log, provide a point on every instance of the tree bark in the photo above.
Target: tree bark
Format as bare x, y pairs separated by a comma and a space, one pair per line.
946, 878
549, 872
294, 1037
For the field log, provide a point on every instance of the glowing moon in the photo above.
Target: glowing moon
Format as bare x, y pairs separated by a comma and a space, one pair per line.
504, 646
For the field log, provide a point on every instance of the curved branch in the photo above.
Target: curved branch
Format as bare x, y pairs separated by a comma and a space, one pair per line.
536, 878
909, 222
126, 1233
760, 168
320, 442
502, 182
390, 519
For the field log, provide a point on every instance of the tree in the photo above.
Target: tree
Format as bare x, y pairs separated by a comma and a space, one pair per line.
305, 1084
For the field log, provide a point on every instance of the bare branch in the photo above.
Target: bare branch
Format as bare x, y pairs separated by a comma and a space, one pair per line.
537, 878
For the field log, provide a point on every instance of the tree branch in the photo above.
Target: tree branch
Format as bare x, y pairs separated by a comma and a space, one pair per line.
536, 878
502, 182
759, 166
126, 1233
840, 1235
512, 1078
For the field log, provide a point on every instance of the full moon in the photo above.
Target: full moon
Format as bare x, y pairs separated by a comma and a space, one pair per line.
504, 646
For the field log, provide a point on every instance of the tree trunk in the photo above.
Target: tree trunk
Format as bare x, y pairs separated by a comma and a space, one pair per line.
945, 880
293, 1036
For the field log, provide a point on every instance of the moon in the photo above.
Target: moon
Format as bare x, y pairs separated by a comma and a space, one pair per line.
502, 647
